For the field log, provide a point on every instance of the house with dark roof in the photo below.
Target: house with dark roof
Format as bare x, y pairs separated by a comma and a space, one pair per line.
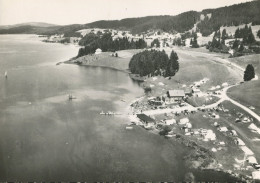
176, 94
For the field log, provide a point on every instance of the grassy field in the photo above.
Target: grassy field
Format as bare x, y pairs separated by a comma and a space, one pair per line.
199, 101
248, 93
106, 60
195, 65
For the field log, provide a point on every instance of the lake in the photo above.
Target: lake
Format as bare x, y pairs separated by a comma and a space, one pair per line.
44, 136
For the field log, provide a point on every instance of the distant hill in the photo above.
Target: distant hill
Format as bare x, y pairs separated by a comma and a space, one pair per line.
207, 21
36, 24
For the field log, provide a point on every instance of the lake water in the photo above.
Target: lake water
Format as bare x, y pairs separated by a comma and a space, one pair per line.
44, 136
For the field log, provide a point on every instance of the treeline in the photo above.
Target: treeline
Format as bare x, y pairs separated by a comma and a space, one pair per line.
238, 14
92, 41
154, 63
243, 13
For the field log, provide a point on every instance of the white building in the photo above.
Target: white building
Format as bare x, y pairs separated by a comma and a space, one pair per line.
184, 121
98, 51
170, 121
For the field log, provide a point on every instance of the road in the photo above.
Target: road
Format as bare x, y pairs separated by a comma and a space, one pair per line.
223, 95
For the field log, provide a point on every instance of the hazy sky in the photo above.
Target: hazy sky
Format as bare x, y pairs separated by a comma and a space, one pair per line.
85, 11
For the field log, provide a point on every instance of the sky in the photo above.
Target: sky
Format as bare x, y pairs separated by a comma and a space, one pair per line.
63, 12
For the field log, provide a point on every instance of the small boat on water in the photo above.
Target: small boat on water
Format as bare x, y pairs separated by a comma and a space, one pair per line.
5, 74
109, 113
129, 128
71, 97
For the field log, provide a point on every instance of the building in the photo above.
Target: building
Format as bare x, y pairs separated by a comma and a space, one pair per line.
170, 121
188, 92
195, 90
176, 94
251, 160
98, 51
146, 119
239, 142
184, 121
256, 175
223, 129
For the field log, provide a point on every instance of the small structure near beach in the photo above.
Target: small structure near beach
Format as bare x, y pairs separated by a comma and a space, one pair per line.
256, 175
184, 121
170, 121
98, 51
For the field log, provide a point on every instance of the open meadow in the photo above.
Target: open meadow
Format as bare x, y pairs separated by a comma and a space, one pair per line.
247, 93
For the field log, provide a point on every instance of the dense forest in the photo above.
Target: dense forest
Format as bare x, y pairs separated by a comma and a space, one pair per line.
243, 13
232, 15
105, 42
154, 63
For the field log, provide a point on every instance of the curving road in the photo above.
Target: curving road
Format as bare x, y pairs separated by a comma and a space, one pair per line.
223, 96
223, 93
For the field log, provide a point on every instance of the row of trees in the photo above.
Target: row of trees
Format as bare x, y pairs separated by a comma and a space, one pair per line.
105, 42
153, 63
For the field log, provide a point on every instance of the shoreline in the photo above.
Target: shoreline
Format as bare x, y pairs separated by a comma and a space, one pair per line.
131, 114
88, 65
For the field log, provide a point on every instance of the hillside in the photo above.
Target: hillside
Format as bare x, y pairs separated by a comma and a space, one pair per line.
37, 24
207, 21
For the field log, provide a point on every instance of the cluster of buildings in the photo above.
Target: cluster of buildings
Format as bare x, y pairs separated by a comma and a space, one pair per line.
59, 38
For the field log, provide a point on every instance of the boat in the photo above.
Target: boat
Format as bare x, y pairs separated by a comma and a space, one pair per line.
71, 97
129, 128
109, 113
5, 74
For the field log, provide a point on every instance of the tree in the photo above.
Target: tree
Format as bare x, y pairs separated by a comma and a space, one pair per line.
237, 33
224, 35
155, 43
249, 72
251, 37
235, 44
191, 42
173, 64
194, 43
241, 47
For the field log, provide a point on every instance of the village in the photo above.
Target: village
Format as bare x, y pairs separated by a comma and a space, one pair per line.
165, 39
174, 116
